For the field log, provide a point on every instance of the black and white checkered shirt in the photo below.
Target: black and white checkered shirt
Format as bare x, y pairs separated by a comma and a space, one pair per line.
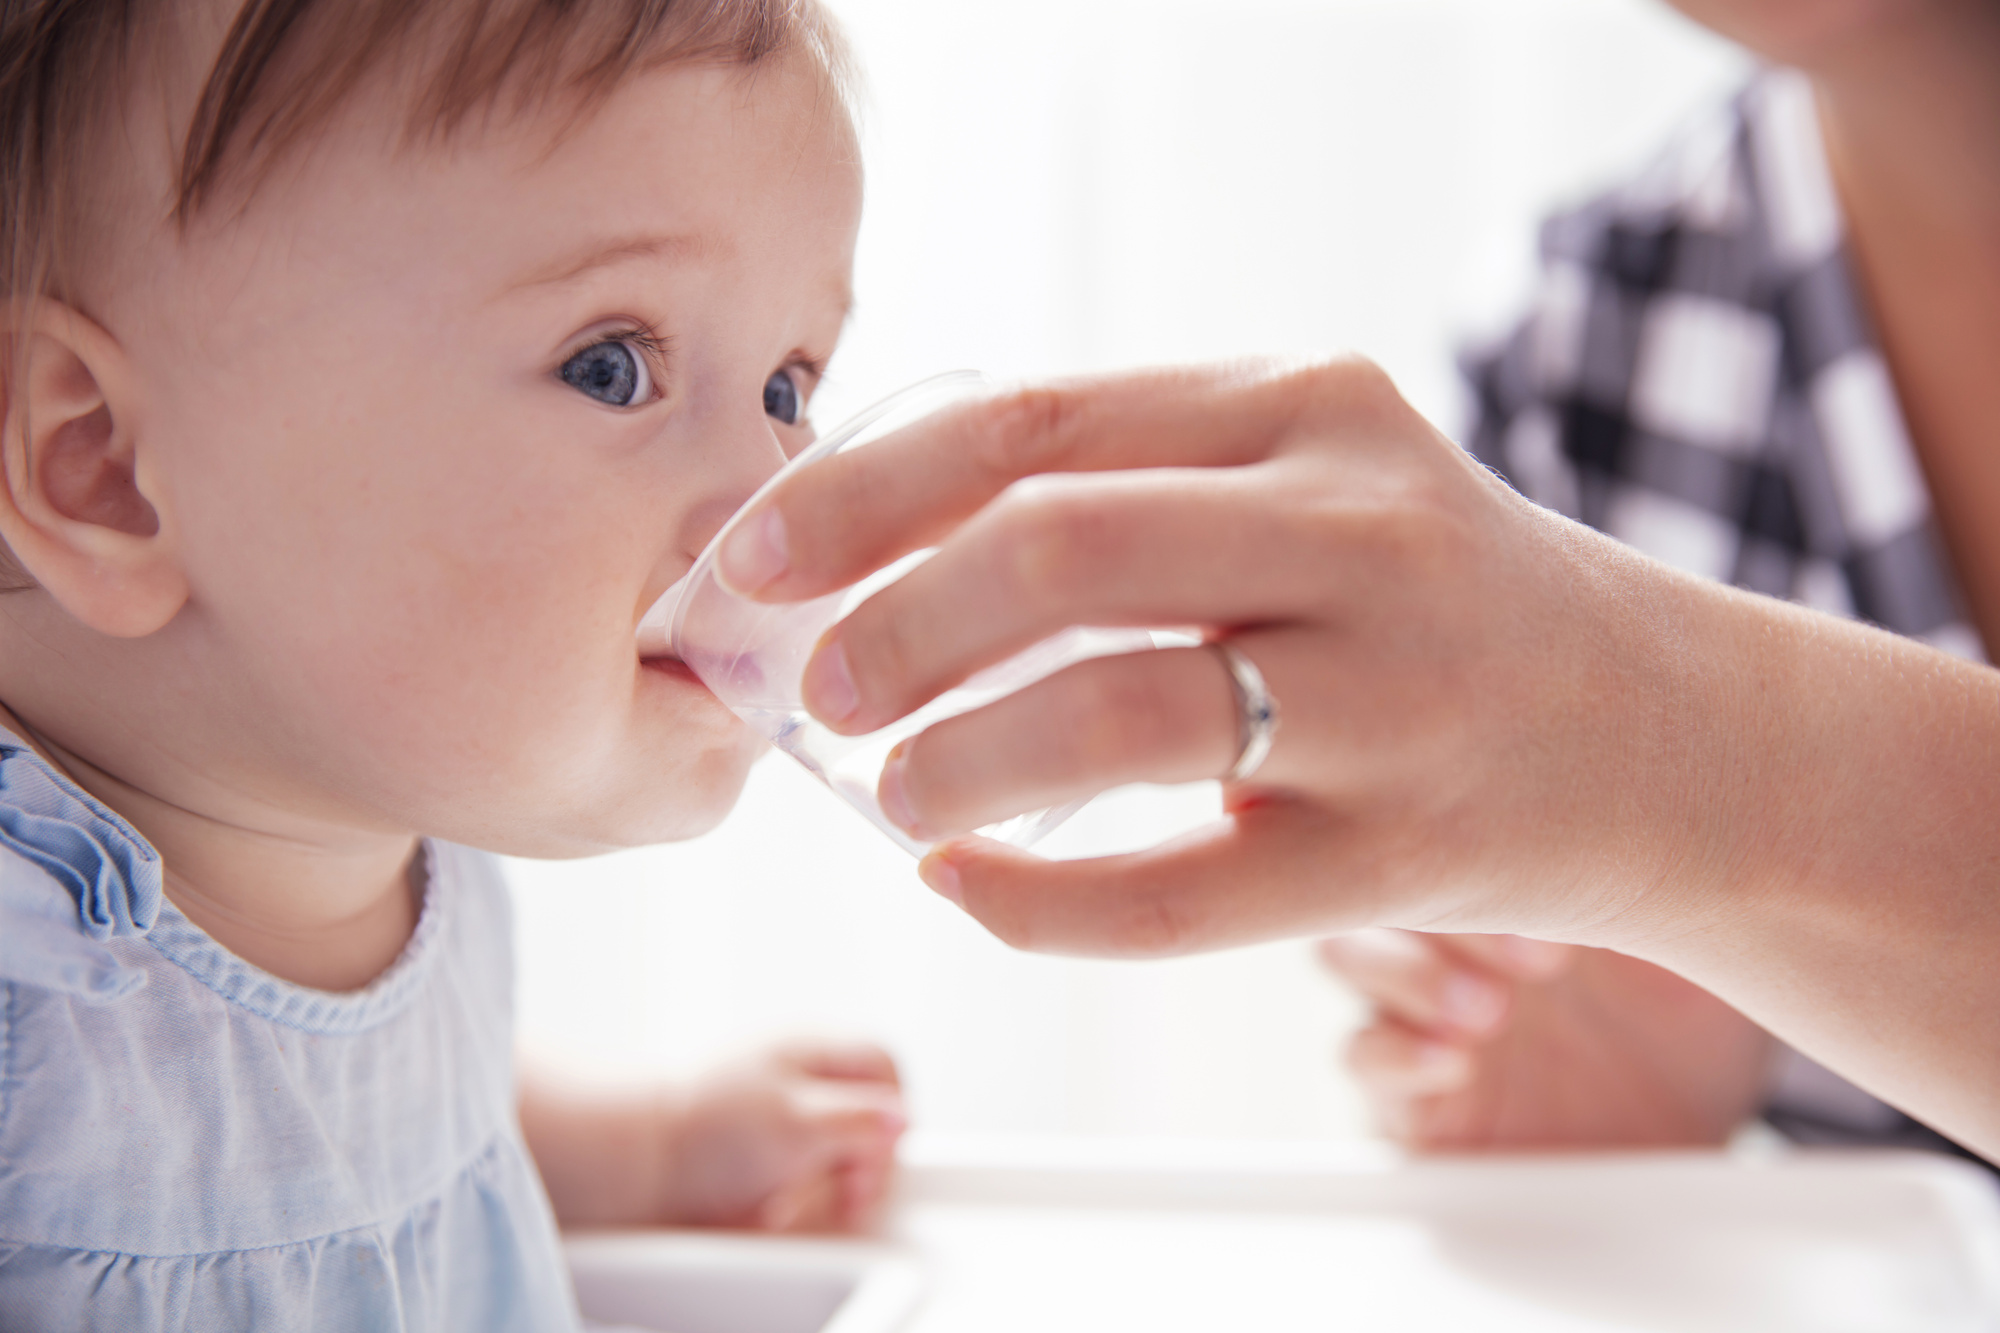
1697, 376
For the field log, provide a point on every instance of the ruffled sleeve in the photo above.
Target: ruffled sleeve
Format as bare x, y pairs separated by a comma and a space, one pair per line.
72, 876
41, 943
111, 873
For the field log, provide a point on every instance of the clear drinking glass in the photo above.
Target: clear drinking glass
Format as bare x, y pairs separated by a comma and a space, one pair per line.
752, 655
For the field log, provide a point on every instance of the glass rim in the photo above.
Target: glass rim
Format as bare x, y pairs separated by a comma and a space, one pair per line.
840, 437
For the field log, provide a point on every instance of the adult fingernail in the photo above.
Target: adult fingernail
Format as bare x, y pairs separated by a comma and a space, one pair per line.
755, 553
1471, 1004
892, 795
829, 685
942, 876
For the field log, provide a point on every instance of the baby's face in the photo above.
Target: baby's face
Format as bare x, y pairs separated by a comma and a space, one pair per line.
432, 428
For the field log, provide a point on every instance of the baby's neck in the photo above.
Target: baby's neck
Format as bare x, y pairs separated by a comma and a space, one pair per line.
336, 927
330, 912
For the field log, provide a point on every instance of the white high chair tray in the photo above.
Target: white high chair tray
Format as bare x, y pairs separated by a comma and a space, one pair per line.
1098, 1237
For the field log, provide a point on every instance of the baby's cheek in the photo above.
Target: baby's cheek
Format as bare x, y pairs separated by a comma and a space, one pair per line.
469, 686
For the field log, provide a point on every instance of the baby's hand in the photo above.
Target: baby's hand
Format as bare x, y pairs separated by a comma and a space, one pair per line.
803, 1139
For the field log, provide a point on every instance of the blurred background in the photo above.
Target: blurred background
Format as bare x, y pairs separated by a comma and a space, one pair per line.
1066, 185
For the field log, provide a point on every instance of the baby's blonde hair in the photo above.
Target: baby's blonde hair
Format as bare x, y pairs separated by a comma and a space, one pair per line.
286, 67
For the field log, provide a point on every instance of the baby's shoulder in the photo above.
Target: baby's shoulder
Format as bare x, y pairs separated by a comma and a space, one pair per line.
42, 942
181, 1130
159, 1095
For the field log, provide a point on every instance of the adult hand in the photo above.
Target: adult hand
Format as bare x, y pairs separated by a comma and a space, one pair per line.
1497, 1041
1434, 642
1493, 718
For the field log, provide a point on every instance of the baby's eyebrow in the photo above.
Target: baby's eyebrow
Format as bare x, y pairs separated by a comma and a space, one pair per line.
675, 248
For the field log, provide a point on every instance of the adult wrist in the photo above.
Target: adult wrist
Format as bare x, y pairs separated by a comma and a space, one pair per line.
1700, 722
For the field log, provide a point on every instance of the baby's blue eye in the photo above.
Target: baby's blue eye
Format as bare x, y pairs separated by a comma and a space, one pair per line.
611, 372
781, 398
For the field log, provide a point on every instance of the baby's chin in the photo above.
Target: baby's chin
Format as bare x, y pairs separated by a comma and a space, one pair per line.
696, 807
656, 797
697, 804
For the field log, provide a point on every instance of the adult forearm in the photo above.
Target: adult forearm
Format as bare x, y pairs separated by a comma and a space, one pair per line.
1912, 123
1847, 894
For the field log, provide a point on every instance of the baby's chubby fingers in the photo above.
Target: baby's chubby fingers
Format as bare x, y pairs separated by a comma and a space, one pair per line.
863, 1188
809, 1203
766, 1144
844, 1197
856, 1061
841, 1116
846, 1132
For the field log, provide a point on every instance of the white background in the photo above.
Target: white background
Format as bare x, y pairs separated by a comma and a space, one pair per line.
1064, 185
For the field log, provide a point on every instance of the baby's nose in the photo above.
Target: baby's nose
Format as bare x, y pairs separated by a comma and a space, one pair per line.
707, 518
745, 466
750, 468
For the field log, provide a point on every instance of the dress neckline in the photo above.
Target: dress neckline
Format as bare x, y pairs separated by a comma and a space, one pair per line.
330, 1012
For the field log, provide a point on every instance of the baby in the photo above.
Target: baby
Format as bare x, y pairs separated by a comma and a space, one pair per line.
372, 366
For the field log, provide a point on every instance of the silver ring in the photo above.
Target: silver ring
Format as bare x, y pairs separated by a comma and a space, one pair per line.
1256, 712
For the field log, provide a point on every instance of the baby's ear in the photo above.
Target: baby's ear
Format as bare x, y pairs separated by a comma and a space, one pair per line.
74, 508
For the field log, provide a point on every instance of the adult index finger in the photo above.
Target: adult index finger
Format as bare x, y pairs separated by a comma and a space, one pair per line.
841, 519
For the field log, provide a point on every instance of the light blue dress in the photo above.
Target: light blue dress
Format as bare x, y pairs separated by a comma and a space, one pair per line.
187, 1142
